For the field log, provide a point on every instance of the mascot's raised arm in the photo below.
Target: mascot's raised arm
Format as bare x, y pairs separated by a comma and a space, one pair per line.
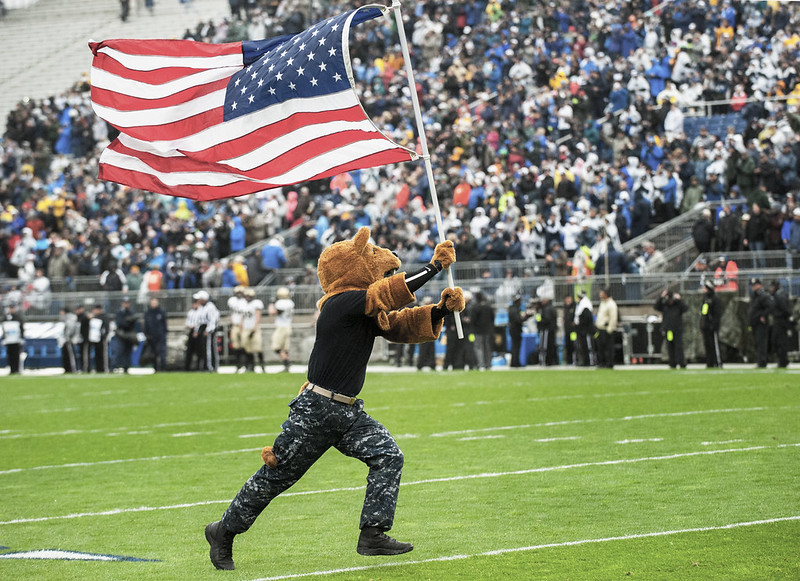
364, 298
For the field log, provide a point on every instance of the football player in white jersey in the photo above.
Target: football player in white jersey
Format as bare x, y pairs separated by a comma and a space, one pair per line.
251, 330
237, 305
282, 309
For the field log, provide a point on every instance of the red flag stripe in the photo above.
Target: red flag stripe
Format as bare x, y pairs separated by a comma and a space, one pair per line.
168, 48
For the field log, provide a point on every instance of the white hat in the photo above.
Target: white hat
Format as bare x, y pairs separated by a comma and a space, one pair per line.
200, 295
796, 212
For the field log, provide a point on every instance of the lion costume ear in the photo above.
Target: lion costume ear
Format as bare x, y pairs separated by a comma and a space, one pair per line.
360, 240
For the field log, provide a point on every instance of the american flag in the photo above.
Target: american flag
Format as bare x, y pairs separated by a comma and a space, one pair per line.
210, 121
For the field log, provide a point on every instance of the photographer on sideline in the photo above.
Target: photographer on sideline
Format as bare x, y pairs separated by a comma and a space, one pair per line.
672, 308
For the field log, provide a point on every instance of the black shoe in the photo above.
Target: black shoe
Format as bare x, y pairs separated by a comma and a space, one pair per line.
373, 541
221, 541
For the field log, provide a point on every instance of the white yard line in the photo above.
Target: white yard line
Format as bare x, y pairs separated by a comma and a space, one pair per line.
464, 433
15, 434
629, 537
594, 420
483, 475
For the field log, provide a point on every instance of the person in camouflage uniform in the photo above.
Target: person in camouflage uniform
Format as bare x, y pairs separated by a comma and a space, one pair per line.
363, 299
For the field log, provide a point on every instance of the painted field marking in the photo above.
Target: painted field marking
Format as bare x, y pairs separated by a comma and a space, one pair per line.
487, 437
722, 442
594, 420
436, 435
116, 511
14, 434
127, 460
496, 552
639, 440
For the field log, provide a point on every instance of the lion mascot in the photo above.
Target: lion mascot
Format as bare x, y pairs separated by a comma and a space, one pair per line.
364, 298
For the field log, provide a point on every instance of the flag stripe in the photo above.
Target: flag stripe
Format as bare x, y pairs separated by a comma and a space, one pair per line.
214, 121
297, 113
162, 115
147, 92
177, 171
271, 139
103, 62
256, 167
125, 170
154, 53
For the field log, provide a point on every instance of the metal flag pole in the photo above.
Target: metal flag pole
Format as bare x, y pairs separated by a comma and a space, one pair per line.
423, 144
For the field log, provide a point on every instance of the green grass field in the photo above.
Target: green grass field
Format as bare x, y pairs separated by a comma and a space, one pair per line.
551, 475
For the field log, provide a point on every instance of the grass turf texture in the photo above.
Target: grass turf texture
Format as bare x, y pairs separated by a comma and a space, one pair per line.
509, 461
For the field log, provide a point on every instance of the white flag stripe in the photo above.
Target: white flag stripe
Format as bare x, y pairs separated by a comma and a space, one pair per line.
139, 62
277, 147
303, 172
322, 163
241, 126
175, 179
111, 82
163, 115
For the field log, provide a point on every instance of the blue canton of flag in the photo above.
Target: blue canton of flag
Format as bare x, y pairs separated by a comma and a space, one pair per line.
309, 64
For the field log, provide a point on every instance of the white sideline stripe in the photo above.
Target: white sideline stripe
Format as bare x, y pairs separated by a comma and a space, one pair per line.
413, 483
633, 536
126, 460
590, 420
437, 435
10, 434
639, 440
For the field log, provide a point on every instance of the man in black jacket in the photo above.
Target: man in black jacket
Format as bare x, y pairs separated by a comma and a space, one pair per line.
155, 331
483, 321
710, 317
125, 334
758, 320
782, 322
547, 325
672, 308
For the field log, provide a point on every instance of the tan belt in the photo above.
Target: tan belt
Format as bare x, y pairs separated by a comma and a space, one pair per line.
345, 399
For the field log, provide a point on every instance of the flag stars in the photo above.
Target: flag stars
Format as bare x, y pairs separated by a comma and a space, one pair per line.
323, 66
337, 77
260, 83
244, 89
289, 62
322, 41
310, 56
300, 72
272, 90
250, 99
233, 106
314, 81
279, 76
332, 52
292, 86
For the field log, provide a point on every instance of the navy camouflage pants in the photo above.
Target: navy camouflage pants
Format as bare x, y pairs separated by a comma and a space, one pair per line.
316, 424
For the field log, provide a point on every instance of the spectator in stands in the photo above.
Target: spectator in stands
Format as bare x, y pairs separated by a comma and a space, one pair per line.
793, 240
703, 232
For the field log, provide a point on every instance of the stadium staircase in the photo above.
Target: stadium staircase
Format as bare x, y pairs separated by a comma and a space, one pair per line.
46, 43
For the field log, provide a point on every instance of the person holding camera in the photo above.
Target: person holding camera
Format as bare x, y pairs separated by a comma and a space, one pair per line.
672, 307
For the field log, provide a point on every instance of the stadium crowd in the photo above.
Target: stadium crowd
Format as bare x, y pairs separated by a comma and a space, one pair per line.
552, 126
